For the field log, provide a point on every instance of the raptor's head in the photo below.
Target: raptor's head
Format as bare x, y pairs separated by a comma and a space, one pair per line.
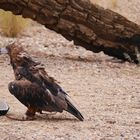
12, 50
18, 56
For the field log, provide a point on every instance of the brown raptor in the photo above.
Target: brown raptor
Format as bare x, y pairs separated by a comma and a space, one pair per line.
34, 88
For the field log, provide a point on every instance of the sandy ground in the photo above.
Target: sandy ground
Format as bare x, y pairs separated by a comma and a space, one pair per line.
106, 91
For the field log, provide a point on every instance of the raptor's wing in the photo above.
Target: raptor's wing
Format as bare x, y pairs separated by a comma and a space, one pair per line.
32, 95
49, 91
42, 79
50, 83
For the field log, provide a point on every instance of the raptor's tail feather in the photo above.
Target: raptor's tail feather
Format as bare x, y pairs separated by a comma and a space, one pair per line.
73, 110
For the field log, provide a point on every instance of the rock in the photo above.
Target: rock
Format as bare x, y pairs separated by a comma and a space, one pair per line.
3, 108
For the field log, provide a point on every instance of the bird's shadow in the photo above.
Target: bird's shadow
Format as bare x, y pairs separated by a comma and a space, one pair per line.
51, 117
42, 117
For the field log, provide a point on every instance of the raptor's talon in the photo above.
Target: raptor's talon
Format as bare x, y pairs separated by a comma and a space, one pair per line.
28, 118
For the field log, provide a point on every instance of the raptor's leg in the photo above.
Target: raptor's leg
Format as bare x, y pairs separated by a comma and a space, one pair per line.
30, 114
39, 111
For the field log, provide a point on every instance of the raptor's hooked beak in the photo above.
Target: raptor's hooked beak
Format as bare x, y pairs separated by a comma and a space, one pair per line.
3, 51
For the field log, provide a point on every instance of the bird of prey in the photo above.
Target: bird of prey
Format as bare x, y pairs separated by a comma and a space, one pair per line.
34, 88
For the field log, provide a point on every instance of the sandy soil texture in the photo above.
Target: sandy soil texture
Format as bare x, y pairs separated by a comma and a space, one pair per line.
106, 91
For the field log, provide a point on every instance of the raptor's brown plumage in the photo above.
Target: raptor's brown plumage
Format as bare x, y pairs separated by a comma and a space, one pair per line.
34, 88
